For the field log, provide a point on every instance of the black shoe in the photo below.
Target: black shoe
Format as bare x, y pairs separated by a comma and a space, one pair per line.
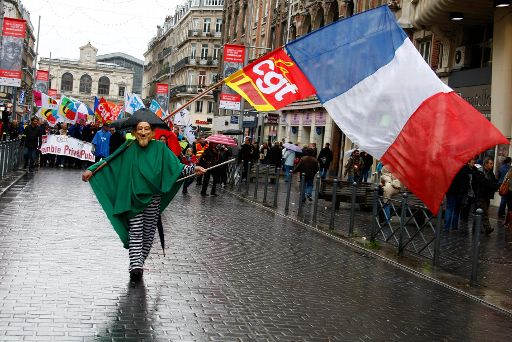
136, 274
184, 191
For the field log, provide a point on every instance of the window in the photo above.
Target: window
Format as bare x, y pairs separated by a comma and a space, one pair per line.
210, 106
202, 78
206, 25
103, 86
424, 48
199, 106
121, 90
216, 51
193, 50
67, 82
214, 2
195, 24
85, 84
214, 78
218, 25
204, 51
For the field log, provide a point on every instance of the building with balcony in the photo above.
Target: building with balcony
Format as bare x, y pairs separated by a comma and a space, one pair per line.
185, 54
10, 96
85, 78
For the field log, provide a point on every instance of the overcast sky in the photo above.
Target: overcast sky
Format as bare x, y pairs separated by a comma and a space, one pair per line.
110, 25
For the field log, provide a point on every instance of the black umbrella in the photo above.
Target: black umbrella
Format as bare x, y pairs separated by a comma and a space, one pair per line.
141, 115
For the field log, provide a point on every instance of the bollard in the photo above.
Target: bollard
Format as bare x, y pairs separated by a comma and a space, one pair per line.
276, 188
257, 182
302, 197
315, 203
375, 212
403, 217
288, 190
476, 244
247, 178
333, 202
265, 189
437, 245
352, 209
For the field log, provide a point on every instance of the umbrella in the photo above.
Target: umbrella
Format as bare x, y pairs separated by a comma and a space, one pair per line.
172, 140
221, 139
141, 115
292, 147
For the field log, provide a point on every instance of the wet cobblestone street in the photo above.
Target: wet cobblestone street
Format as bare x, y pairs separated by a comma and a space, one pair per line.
232, 271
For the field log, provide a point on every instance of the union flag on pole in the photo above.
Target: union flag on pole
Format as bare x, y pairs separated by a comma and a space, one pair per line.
271, 82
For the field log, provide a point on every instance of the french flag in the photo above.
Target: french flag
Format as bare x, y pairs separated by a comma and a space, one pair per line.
387, 100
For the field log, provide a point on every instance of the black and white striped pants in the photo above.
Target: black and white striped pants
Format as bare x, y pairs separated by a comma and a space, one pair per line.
142, 231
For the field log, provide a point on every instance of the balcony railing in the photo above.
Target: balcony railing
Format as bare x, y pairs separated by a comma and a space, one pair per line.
162, 72
181, 64
187, 89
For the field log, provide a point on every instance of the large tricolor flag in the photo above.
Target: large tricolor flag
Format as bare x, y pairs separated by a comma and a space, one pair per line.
378, 89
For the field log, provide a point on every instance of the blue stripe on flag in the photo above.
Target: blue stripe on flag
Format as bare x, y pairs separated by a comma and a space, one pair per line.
338, 56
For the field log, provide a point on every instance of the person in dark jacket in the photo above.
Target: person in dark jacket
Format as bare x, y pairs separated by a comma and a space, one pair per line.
116, 140
309, 166
469, 200
454, 197
324, 160
487, 185
32, 140
246, 155
368, 162
209, 158
275, 155
505, 166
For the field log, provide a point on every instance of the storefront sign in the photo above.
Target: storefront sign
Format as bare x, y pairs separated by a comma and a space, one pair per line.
478, 96
272, 119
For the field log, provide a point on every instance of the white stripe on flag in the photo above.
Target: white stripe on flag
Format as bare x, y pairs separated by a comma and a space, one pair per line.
375, 110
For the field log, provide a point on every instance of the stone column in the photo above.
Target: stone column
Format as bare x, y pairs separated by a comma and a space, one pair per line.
501, 88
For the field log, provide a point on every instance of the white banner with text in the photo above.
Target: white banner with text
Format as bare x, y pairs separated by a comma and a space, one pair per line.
67, 146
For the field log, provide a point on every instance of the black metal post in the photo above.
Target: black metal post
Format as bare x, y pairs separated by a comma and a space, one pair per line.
315, 203
288, 190
333, 202
276, 188
352, 209
302, 197
437, 245
403, 217
265, 189
476, 245
257, 182
375, 212
248, 176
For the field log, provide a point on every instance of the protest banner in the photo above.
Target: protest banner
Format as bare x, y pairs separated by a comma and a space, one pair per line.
67, 146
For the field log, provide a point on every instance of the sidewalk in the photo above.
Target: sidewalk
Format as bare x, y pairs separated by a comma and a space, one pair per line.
455, 264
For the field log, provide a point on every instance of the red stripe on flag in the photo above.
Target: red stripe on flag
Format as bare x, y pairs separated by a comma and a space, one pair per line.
439, 138
249, 89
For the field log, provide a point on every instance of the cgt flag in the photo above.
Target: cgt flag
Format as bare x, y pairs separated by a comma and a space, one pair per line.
383, 95
271, 82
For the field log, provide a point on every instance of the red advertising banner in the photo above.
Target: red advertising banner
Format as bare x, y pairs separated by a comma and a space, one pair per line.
52, 93
234, 57
13, 31
161, 95
42, 77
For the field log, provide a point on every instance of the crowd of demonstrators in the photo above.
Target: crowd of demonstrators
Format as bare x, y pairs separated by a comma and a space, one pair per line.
308, 164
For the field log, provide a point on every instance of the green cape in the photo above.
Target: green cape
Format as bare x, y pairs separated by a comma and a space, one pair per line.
133, 174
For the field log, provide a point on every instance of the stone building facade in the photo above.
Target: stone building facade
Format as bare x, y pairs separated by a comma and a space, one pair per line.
129, 62
86, 77
185, 55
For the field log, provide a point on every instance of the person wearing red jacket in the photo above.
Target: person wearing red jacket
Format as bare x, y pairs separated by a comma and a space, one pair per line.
188, 159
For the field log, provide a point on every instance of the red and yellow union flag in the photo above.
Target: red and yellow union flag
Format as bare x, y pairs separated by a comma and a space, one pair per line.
271, 82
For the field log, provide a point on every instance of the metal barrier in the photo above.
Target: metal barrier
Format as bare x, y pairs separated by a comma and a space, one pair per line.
11, 156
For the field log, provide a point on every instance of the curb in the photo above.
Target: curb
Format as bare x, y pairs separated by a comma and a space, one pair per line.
3, 191
360, 248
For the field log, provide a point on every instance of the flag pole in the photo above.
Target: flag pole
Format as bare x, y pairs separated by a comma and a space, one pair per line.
195, 98
208, 169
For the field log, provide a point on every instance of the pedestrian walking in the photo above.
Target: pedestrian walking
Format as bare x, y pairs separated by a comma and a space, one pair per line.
101, 142
454, 197
308, 165
325, 159
288, 161
469, 200
502, 171
210, 158
487, 186
354, 167
131, 199
32, 139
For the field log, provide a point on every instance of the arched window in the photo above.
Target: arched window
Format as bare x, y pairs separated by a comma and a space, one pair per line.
66, 83
103, 85
85, 84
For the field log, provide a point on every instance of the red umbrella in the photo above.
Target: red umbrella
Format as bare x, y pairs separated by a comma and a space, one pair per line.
221, 139
172, 140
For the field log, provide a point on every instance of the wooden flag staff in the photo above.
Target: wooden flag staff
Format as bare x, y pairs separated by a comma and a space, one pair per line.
195, 98
208, 169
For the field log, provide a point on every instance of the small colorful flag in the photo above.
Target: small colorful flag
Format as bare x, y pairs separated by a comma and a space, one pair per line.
156, 108
67, 110
132, 103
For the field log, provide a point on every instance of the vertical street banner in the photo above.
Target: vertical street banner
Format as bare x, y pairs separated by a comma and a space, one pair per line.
52, 93
234, 57
13, 32
162, 91
42, 77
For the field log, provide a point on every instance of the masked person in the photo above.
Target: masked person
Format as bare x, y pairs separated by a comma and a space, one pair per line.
135, 186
